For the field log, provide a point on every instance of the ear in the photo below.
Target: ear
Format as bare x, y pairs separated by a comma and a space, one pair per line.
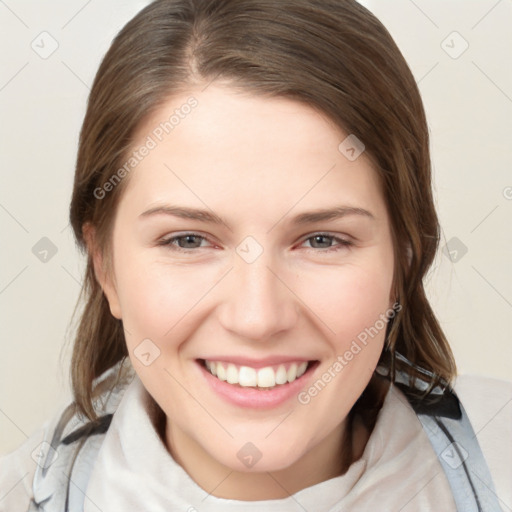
102, 276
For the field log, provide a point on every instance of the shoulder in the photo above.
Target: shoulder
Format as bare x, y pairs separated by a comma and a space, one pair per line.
476, 412
488, 404
37, 472
482, 392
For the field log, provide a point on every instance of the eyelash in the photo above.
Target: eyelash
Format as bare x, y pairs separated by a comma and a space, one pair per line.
342, 243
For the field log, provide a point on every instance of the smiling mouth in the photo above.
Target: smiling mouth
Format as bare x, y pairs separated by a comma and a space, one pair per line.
268, 377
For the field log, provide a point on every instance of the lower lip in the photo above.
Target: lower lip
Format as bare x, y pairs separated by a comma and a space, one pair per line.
252, 398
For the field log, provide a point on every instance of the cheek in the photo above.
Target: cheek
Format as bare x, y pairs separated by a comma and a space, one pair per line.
157, 298
349, 299
354, 305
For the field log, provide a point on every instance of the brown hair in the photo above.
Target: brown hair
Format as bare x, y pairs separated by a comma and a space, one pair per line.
332, 55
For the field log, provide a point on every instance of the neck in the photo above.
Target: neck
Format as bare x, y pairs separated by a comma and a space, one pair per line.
319, 464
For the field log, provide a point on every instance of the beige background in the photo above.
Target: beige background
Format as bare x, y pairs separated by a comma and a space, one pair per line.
468, 98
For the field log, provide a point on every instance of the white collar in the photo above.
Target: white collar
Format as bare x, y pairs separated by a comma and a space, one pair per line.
134, 471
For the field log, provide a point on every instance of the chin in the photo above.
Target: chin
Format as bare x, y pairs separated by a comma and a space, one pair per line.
254, 458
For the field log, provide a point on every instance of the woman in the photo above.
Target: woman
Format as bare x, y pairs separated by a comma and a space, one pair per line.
253, 192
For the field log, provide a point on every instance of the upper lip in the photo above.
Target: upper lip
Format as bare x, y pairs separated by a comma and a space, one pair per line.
257, 363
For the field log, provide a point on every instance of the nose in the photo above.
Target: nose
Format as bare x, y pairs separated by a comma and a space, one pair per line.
258, 303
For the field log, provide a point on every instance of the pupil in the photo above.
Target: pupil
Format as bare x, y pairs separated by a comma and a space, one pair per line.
189, 239
319, 238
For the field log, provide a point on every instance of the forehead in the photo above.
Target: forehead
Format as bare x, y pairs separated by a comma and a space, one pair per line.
233, 148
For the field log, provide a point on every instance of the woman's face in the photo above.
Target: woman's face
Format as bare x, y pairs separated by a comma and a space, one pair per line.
248, 239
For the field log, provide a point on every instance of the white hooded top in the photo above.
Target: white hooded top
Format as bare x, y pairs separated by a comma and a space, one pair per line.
397, 471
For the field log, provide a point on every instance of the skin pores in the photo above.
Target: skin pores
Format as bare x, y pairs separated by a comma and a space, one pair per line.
257, 286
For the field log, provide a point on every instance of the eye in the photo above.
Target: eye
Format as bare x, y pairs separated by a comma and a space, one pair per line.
184, 242
187, 242
325, 240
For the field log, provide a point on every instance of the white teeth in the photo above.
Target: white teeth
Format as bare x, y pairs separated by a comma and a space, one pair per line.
232, 374
221, 372
247, 376
301, 369
292, 372
281, 375
265, 377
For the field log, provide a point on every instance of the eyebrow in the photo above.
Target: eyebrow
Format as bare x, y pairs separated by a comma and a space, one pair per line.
299, 220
